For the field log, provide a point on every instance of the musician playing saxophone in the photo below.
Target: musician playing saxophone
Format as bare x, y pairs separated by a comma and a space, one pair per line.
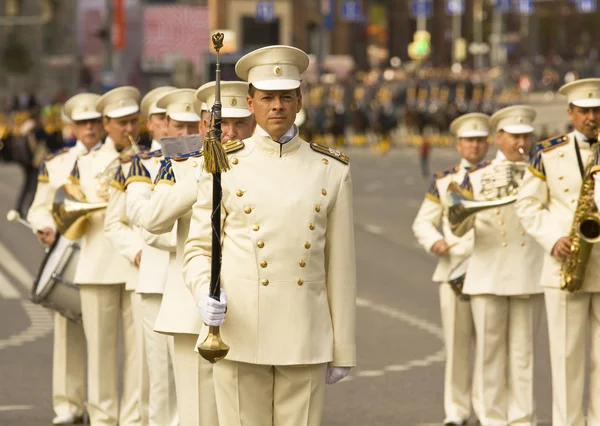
546, 205
68, 378
471, 131
503, 279
102, 272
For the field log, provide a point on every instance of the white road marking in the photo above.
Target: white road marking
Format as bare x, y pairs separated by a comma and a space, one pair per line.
41, 320
417, 322
7, 291
15, 407
374, 186
373, 229
15, 268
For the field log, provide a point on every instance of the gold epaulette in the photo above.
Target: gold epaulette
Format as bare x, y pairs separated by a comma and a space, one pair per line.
233, 146
446, 172
56, 153
550, 144
480, 166
340, 156
194, 154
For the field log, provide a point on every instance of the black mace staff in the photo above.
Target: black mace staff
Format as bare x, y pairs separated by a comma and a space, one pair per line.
213, 348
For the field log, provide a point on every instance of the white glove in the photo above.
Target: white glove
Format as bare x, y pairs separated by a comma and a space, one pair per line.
212, 312
335, 374
597, 188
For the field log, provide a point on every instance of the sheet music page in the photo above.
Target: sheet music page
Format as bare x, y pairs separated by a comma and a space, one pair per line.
177, 146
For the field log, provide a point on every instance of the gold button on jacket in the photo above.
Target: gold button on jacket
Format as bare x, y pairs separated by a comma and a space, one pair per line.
297, 318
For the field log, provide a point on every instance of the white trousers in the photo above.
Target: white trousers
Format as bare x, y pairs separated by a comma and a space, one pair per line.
163, 400
68, 367
102, 307
267, 395
143, 374
194, 382
570, 316
506, 328
459, 339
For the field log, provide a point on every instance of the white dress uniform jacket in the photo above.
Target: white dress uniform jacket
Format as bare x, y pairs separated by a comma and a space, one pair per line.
169, 211
54, 172
507, 261
291, 295
549, 217
96, 249
431, 214
138, 187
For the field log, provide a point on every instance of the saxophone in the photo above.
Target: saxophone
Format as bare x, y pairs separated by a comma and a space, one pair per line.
585, 232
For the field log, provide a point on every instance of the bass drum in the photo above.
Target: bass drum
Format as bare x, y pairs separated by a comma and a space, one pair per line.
456, 278
53, 287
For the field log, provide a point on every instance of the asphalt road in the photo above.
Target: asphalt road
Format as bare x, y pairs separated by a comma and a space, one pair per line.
399, 378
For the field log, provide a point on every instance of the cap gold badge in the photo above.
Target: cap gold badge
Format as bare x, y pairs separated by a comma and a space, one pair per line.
233, 102
277, 70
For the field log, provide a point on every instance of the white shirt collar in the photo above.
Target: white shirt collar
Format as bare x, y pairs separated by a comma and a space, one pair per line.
500, 156
80, 147
580, 136
464, 163
155, 146
287, 136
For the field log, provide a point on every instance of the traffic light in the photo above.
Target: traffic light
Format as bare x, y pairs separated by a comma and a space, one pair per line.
48, 10
11, 7
420, 47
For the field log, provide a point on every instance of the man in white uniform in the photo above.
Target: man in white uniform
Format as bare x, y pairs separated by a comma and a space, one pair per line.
471, 131
181, 120
68, 361
287, 255
503, 281
162, 409
170, 210
103, 273
546, 206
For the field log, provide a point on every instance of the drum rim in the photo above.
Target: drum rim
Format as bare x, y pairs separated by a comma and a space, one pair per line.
40, 297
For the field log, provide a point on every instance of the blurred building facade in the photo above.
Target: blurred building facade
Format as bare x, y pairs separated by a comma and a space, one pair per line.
49, 46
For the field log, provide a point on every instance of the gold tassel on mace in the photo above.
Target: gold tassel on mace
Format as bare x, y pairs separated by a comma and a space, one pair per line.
215, 157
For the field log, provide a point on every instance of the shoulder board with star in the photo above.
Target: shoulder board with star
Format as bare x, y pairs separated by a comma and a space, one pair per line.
56, 153
449, 171
334, 153
151, 154
480, 166
550, 144
183, 157
233, 146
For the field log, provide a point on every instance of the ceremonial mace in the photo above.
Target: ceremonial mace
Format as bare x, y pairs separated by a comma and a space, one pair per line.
213, 348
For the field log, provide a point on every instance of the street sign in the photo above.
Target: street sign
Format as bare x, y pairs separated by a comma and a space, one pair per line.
420, 8
503, 5
525, 7
455, 7
327, 14
586, 6
351, 11
265, 11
